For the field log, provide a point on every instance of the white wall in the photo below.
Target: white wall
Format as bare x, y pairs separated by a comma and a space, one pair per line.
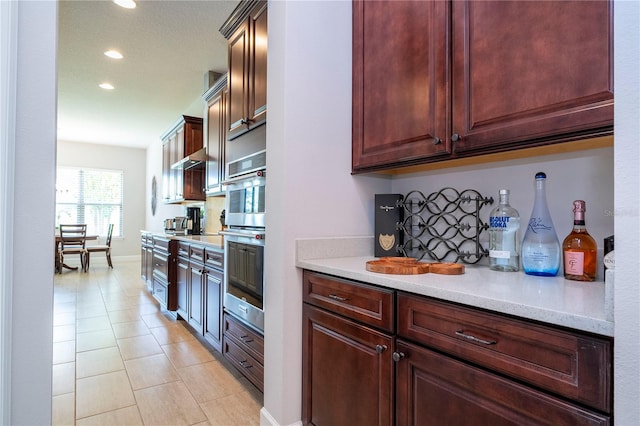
132, 161
33, 208
627, 216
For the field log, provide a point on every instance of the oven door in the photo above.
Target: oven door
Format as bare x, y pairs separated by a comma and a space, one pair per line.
245, 201
244, 275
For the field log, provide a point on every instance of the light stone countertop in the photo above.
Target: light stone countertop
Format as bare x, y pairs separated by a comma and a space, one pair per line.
585, 306
215, 241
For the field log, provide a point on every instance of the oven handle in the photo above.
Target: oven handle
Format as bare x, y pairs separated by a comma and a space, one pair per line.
257, 236
248, 176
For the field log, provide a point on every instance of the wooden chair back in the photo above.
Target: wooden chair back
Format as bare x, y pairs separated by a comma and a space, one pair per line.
73, 237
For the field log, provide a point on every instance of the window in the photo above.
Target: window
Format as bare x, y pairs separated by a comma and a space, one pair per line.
90, 196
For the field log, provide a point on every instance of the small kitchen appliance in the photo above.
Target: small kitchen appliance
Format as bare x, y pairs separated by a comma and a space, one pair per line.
193, 221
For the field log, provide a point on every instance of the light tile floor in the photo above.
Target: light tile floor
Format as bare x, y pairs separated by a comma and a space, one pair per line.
119, 360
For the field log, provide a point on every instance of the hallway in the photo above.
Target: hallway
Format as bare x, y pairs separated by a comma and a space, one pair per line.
118, 360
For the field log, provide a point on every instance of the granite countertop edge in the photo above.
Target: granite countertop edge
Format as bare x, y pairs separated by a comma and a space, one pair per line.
209, 240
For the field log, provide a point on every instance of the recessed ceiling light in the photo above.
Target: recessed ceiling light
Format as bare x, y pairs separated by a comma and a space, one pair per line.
113, 54
127, 4
107, 86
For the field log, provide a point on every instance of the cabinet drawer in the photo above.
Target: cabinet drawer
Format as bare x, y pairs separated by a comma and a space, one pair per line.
214, 258
160, 292
160, 243
243, 361
250, 341
361, 302
196, 253
570, 364
161, 264
183, 249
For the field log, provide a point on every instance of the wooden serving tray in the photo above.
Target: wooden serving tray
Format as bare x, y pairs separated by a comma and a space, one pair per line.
410, 266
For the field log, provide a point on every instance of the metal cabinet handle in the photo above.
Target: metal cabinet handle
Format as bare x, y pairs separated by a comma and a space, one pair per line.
338, 298
461, 333
245, 365
381, 348
245, 340
437, 141
455, 137
397, 356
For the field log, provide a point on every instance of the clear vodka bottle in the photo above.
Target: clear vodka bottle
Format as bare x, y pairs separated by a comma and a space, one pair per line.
540, 247
504, 245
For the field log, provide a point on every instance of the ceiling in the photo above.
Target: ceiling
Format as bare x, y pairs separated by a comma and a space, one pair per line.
168, 46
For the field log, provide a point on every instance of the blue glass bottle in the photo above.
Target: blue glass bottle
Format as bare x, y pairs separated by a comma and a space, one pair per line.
540, 247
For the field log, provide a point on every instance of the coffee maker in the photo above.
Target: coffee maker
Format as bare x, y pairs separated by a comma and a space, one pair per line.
193, 221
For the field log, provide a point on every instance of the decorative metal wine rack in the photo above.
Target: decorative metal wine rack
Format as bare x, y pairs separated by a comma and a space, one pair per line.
444, 225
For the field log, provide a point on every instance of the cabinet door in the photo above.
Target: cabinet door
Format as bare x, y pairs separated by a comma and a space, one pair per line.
238, 80
525, 73
401, 106
258, 67
182, 282
216, 136
196, 307
167, 179
433, 389
213, 309
177, 155
347, 375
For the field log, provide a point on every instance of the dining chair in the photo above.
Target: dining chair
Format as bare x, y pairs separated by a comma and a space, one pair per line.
106, 247
72, 241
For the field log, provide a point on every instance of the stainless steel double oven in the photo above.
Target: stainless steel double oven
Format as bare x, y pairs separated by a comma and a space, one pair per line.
244, 242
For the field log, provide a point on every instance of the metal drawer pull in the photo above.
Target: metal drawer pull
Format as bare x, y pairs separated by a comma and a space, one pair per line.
245, 340
338, 298
245, 365
381, 348
475, 339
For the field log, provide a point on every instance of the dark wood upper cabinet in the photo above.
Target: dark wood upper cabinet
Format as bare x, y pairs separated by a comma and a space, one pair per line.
439, 80
182, 139
215, 135
401, 104
530, 72
246, 31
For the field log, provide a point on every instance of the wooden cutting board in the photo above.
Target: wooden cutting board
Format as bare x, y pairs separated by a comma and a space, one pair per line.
410, 266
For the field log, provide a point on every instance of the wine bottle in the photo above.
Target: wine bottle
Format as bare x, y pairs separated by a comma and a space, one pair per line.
579, 249
504, 223
540, 247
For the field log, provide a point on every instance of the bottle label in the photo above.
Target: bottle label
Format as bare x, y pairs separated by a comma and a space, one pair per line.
500, 254
536, 225
574, 262
609, 260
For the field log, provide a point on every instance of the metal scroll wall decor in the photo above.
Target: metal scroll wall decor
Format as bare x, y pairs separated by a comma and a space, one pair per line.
444, 226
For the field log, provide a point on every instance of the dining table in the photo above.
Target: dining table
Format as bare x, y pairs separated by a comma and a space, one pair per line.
55, 251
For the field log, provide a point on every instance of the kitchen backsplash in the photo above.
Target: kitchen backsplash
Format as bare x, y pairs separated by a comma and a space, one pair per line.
213, 207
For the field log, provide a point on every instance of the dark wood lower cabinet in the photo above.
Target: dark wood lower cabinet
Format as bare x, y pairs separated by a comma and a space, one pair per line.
421, 361
347, 371
244, 348
213, 308
436, 389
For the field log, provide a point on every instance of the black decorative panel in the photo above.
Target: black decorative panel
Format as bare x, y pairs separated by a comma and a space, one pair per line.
444, 226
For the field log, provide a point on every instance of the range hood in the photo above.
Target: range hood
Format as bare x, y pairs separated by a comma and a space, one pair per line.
193, 161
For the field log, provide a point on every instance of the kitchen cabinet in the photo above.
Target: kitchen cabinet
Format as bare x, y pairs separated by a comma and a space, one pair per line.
163, 286
347, 370
451, 363
182, 139
182, 280
199, 290
146, 258
244, 348
486, 77
215, 135
213, 286
246, 32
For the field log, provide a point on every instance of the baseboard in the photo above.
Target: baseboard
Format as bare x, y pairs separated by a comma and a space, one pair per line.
266, 419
